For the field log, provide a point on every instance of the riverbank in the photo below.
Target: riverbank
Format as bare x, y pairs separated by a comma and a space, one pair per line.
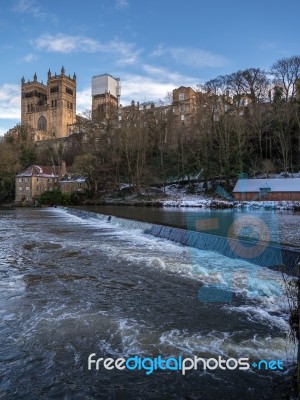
195, 201
176, 196
188, 201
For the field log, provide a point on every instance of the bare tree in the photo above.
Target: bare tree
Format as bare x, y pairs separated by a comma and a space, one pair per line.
286, 72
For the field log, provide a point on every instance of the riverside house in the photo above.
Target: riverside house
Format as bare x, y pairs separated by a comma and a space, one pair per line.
283, 189
34, 181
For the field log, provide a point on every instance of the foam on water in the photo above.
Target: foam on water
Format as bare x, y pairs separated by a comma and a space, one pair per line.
215, 343
11, 282
125, 240
260, 315
262, 285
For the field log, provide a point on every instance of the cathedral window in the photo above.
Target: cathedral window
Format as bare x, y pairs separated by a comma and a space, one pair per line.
54, 89
69, 91
42, 124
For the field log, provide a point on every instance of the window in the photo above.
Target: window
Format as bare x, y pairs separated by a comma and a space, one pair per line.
42, 124
70, 105
20, 179
54, 103
54, 89
181, 96
20, 188
182, 117
27, 187
182, 108
69, 91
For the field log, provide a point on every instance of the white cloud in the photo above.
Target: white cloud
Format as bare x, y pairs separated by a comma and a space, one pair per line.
83, 100
163, 74
121, 4
23, 6
30, 57
191, 57
143, 89
134, 87
10, 101
150, 88
59, 43
154, 85
126, 50
33, 8
62, 43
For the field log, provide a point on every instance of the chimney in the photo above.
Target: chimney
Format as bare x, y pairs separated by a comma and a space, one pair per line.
63, 169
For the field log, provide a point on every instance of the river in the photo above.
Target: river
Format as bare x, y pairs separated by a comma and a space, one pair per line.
74, 283
283, 226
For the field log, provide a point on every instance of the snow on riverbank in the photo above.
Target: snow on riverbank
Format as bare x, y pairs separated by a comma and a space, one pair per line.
177, 197
206, 202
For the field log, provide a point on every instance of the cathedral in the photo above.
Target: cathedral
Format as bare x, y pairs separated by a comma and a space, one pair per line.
50, 110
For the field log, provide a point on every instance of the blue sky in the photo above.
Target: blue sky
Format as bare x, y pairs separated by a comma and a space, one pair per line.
152, 46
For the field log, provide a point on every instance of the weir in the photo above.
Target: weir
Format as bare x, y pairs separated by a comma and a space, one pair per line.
271, 255
274, 256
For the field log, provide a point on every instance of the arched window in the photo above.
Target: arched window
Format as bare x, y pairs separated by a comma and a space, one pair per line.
42, 124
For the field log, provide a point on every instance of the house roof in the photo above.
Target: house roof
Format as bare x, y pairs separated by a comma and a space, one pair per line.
274, 185
41, 171
71, 178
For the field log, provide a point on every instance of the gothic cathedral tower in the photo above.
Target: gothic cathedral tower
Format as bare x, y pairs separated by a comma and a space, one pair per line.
49, 109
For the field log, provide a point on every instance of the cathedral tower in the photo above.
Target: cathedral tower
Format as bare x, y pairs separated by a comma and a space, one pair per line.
106, 92
49, 109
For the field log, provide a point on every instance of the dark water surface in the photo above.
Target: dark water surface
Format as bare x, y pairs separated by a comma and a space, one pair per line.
283, 226
73, 284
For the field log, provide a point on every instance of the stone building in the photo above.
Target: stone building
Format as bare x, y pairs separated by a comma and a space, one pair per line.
34, 181
73, 183
183, 104
50, 110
